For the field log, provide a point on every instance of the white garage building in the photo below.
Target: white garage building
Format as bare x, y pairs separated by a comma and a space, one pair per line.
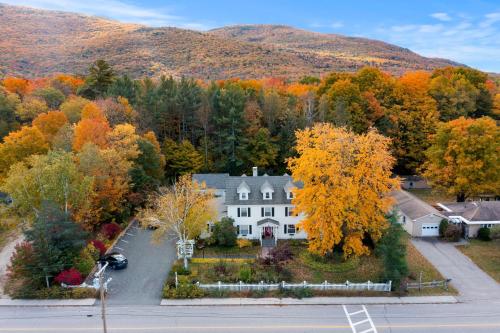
418, 218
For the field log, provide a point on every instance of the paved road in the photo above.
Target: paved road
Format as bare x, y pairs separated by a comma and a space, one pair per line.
470, 281
449, 318
141, 282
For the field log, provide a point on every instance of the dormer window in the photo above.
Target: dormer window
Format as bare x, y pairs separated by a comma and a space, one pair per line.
243, 190
267, 191
289, 186
289, 195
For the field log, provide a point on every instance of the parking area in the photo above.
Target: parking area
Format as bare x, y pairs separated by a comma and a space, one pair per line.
141, 282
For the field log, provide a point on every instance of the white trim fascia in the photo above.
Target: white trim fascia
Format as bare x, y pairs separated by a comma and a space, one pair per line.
444, 207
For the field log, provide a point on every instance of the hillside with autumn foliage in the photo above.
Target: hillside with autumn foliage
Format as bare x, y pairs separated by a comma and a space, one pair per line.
37, 43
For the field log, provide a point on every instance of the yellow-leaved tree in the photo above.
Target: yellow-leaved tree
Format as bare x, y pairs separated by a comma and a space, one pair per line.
346, 181
182, 210
464, 156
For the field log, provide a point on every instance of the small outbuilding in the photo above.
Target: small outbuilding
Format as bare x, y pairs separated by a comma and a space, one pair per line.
417, 217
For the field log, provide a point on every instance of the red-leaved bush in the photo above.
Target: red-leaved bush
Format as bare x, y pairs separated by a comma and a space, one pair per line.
99, 245
111, 230
70, 276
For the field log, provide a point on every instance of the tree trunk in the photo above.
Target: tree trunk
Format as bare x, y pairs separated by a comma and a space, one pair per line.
461, 197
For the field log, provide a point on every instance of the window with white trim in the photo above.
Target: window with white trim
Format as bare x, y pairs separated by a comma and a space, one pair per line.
289, 195
267, 211
244, 212
289, 211
268, 195
243, 196
289, 228
244, 229
487, 225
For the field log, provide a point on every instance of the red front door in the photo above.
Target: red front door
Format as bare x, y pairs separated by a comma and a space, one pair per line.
268, 232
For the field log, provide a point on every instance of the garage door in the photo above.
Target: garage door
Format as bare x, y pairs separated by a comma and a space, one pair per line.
430, 230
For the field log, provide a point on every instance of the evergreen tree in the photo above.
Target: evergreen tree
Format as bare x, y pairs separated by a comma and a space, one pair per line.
392, 249
101, 77
56, 241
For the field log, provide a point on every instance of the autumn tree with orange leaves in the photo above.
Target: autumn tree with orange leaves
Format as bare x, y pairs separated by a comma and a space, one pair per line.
346, 181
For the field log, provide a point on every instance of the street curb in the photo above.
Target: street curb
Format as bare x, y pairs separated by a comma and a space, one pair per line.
310, 301
47, 302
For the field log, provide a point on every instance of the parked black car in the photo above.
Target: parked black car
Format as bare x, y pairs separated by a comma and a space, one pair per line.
115, 260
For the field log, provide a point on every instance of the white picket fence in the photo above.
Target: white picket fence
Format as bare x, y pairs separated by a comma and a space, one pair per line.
240, 286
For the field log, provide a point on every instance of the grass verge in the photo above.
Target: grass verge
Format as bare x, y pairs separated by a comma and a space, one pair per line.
484, 254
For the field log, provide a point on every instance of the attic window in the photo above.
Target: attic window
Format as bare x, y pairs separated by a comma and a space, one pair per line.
267, 196
289, 195
243, 196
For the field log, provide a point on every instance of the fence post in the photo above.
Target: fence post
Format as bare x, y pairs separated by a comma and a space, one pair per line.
325, 284
304, 284
219, 283
368, 285
282, 284
240, 285
390, 285
176, 280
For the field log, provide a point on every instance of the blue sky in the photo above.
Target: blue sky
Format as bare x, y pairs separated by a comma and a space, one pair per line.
466, 31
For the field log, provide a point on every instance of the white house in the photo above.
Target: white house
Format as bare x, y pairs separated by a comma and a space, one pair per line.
260, 205
418, 218
473, 215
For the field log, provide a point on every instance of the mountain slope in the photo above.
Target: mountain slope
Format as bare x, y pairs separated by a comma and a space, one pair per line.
332, 49
39, 42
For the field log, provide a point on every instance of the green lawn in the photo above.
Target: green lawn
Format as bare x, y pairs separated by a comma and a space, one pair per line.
484, 254
432, 196
306, 267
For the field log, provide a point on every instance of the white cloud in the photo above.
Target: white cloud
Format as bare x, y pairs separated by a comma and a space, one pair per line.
441, 16
330, 25
116, 9
468, 40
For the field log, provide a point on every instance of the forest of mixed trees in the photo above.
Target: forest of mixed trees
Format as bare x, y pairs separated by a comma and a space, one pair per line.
92, 149
140, 133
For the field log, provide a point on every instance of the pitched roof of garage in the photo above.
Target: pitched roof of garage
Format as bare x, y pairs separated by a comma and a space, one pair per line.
412, 206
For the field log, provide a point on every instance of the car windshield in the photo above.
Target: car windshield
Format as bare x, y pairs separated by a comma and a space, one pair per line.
119, 257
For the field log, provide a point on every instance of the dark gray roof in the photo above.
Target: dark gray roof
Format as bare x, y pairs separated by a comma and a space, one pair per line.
412, 206
475, 211
212, 180
255, 195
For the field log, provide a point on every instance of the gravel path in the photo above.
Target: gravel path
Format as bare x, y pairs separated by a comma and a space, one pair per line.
5, 254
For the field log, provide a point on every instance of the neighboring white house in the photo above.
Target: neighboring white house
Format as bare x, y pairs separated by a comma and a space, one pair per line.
418, 218
473, 215
260, 205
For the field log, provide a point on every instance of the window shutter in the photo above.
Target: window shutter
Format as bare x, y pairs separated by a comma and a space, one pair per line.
238, 229
272, 212
239, 212
249, 212
286, 211
262, 212
250, 229
284, 228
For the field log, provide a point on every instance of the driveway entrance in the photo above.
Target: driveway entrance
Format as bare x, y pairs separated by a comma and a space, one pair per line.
141, 283
467, 278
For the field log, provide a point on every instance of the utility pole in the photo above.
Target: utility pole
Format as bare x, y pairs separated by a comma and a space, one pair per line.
100, 275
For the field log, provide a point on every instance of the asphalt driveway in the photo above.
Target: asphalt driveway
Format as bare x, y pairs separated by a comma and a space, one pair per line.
141, 282
471, 282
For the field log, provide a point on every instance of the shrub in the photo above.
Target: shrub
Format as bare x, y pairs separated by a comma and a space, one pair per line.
495, 232
70, 277
55, 292
442, 227
99, 245
225, 232
245, 273
243, 242
484, 234
183, 290
86, 261
453, 233
179, 268
297, 292
111, 230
